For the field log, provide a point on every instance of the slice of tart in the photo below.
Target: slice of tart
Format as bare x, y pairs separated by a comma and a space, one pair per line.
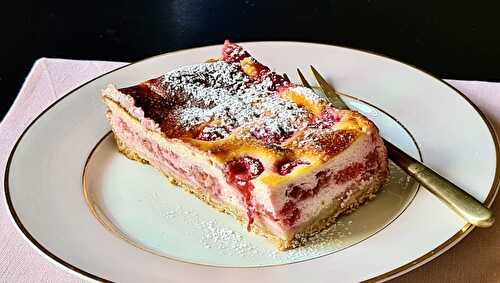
242, 138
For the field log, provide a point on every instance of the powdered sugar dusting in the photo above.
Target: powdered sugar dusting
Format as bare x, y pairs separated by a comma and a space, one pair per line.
237, 52
222, 240
221, 92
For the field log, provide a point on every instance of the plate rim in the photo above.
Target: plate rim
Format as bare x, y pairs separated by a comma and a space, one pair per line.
443, 247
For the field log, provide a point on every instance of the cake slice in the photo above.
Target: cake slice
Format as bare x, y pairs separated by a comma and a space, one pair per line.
245, 140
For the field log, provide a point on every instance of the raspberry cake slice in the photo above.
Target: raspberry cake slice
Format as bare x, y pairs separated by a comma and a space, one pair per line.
248, 142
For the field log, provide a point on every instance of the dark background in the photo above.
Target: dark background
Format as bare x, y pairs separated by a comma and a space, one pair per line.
447, 38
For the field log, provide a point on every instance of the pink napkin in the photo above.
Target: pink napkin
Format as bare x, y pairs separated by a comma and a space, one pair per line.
49, 79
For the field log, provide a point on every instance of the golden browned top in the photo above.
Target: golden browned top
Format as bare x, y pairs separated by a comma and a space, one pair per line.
237, 107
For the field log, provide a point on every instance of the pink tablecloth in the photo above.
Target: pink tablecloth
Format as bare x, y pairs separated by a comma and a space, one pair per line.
475, 259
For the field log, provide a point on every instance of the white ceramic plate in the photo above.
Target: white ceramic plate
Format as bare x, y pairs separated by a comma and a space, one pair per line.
104, 217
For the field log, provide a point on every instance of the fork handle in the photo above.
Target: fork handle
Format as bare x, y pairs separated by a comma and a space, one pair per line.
461, 202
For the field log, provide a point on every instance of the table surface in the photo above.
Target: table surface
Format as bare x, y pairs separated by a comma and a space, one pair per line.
452, 39
448, 39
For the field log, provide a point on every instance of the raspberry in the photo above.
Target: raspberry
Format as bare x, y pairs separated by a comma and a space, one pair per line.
233, 53
290, 212
239, 172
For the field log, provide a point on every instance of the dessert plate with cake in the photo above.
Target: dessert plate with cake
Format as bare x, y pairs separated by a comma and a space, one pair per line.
210, 163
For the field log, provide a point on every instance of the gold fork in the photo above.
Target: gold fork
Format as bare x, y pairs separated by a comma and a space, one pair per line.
457, 199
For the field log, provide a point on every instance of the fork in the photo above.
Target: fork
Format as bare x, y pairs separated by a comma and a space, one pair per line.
457, 199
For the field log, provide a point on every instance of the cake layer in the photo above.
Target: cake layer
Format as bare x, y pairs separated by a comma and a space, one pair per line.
247, 141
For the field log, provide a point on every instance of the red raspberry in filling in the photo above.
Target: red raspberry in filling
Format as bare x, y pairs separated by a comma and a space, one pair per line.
372, 164
232, 53
348, 173
285, 166
299, 194
239, 172
290, 213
